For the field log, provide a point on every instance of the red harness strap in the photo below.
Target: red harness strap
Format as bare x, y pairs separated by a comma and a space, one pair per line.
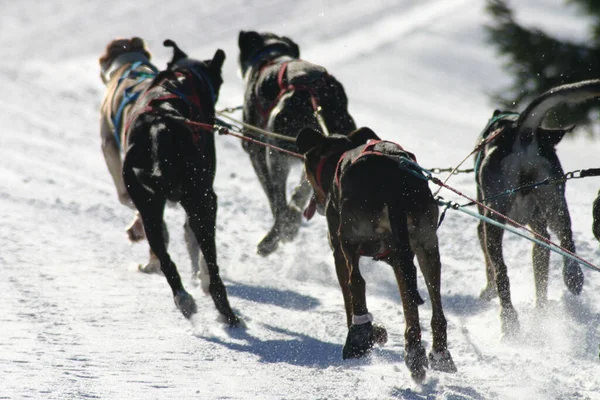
192, 99
286, 88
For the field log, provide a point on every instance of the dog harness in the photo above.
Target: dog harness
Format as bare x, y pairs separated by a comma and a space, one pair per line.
505, 117
343, 162
174, 91
129, 95
286, 87
369, 149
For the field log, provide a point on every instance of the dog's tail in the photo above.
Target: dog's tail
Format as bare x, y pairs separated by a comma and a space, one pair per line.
533, 115
413, 197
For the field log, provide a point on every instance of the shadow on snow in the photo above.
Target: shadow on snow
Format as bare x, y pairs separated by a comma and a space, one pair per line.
277, 297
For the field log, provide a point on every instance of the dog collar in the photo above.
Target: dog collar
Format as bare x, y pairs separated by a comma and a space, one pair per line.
126, 58
267, 54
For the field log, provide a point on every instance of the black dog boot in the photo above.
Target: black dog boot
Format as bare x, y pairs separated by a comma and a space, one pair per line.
360, 338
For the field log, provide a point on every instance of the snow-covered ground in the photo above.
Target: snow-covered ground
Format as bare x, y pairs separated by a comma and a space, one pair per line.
78, 321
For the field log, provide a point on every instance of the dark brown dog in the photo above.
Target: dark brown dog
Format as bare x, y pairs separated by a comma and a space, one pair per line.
126, 70
282, 94
524, 153
378, 204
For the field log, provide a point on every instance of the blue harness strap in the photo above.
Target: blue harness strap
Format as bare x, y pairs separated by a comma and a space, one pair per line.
129, 95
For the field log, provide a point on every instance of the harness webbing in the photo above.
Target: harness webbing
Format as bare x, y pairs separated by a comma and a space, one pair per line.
285, 88
192, 99
509, 116
129, 96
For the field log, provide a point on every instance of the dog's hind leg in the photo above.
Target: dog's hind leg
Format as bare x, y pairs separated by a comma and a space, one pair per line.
402, 262
201, 209
360, 337
425, 245
559, 221
415, 356
490, 290
258, 159
151, 207
153, 265
493, 245
541, 260
278, 165
293, 216
199, 267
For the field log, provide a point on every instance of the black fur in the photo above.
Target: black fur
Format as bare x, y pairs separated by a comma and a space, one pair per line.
379, 205
166, 159
524, 153
261, 57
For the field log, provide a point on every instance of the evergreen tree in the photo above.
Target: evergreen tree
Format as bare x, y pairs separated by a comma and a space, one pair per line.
538, 61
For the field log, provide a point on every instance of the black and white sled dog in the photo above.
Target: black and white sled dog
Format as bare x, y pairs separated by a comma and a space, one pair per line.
524, 153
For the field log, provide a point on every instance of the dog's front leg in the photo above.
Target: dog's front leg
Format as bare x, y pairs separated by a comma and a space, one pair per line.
201, 210
112, 157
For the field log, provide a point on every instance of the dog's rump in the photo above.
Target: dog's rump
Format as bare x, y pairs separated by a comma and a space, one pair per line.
155, 99
378, 190
281, 80
379, 148
499, 120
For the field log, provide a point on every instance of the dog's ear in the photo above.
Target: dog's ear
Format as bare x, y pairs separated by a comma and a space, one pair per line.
178, 54
362, 136
248, 41
308, 139
217, 61
138, 44
293, 46
551, 137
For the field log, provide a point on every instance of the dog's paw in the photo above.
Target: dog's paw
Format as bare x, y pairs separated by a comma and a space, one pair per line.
415, 359
153, 267
290, 224
135, 230
359, 341
269, 243
380, 335
186, 303
573, 277
441, 361
510, 325
488, 293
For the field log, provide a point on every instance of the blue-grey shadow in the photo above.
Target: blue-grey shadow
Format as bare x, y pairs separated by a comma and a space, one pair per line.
457, 304
277, 297
464, 305
429, 390
299, 350
588, 319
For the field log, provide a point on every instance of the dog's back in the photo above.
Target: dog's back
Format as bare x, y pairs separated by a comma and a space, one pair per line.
381, 191
291, 89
